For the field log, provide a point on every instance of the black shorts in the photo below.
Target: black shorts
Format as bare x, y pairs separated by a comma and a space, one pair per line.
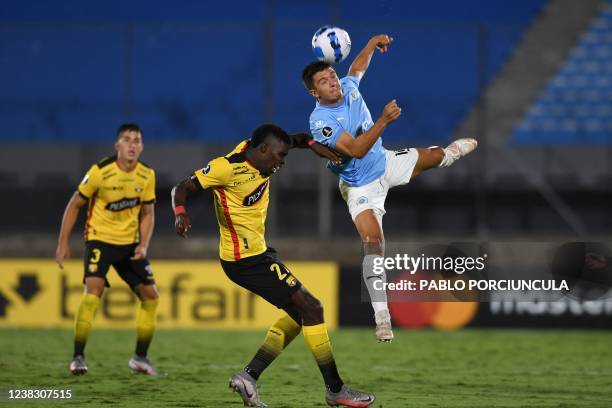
99, 256
265, 275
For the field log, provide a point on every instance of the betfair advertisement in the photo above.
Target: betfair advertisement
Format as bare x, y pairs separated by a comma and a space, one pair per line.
193, 294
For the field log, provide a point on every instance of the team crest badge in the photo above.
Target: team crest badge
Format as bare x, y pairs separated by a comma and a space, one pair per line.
93, 268
149, 270
291, 281
354, 95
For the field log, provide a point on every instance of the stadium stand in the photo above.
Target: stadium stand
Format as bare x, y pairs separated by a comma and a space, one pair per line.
69, 70
576, 104
59, 108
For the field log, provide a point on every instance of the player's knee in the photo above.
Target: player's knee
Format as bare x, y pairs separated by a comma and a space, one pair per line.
94, 286
374, 239
152, 296
147, 292
95, 291
315, 308
312, 309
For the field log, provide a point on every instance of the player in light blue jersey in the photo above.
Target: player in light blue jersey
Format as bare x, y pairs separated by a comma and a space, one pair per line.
342, 121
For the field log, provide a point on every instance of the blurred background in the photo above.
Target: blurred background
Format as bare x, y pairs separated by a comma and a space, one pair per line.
530, 79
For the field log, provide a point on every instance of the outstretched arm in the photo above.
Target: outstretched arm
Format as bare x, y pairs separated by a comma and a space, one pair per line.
180, 192
71, 214
306, 141
362, 61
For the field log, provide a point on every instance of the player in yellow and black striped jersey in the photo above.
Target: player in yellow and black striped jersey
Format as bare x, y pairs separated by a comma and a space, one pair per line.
115, 199
240, 182
241, 196
120, 218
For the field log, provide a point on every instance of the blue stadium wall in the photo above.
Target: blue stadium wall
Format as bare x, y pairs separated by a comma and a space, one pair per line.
201, 71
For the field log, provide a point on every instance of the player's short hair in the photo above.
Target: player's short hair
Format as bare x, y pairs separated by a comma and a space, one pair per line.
310, 70
269, 129
129, 127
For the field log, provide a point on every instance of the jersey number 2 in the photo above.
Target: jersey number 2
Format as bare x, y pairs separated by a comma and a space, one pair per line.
281, 275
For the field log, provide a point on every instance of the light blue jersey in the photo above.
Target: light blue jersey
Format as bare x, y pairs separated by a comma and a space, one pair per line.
327, 123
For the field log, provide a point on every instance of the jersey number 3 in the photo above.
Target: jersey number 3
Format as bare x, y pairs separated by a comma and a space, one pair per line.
96, 256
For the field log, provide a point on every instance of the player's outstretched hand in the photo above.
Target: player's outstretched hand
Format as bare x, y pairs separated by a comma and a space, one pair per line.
381, 42
182, 224
391, 112
300, 140
61, 253
325, 152
140, 252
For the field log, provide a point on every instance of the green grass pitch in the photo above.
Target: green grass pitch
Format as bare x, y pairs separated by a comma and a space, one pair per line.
470, 368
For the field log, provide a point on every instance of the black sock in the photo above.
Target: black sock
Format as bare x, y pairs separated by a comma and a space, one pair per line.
142, 347
331, 377
79, 349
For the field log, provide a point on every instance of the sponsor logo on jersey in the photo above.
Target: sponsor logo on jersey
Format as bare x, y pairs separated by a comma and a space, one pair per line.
252, 177
206, 169
85, 179
326, 131
241, 170
123, 204
256, 195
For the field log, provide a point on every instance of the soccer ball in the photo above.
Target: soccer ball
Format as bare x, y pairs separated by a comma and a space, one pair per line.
331, 44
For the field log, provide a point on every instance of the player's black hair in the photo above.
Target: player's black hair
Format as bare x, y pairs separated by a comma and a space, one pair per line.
129, 127
269, 129
310, 70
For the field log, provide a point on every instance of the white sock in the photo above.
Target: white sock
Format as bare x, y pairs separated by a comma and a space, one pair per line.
450, 156
380, 307
377, 297
456, 150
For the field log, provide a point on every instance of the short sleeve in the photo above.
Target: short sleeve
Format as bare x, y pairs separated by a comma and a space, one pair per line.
149, 193
91, 182
325, 129
216, 173
350, 82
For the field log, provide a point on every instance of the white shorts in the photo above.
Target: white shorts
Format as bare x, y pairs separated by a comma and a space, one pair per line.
371, 196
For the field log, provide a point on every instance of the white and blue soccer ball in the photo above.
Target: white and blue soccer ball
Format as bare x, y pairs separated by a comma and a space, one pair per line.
331, 44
